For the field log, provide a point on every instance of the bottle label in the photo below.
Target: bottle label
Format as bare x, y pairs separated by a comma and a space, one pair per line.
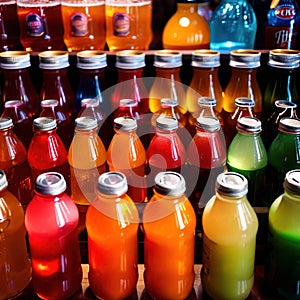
34, 25
79, 24
121, 24
285, 12
281, 37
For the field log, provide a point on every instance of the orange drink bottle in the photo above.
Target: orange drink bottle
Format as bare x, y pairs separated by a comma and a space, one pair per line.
127, 154
169, 225
84, 24
113, 253
12, 244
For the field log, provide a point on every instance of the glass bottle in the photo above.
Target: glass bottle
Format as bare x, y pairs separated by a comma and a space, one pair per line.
169, 225
243, 81
13, 161
55, 83
252, 161
282, 109
282, 25
84, 24
229, 244
206, 159
41, 26
128, 24
17, 83
87, 160
14, 109
127, 154
283, 66
166, 151
186, 29
65, 127
91, 65
244, 108
10, 30
205, 81
53, 216
233, 25
113, 253
15, 270
46, 140
283, 154
281, 271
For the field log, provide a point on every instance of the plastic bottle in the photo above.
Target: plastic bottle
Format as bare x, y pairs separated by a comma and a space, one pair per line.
233, 25
41, 26
14, 109
91, 65
128, 24
113, 253
127, 154
243, 81
47, 142
205, 82
252, 160
230, 244
206, 159
283, 66
84, 24
10, 30
186, 29
65, 126
13, 161
282, 25
283, 155
169, 225
281, 272
17, 84
166, 151
51, 221
55, 84
244, 108
15, 271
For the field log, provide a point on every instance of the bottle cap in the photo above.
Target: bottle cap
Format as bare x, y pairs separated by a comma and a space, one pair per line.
125, 123
208, 123
44, 124
232, 184
244, 59
166, 123
128, 103
53, 60
130, 59
284, 58
49, 103
50, 183
244, 102
205, 58
285, 104
90, 102
5, 122
289, 125
13, 103
249, 124
91, 59
170, 183
86, 123
168, 102
207, 101
292, 181
13, 60
112, 183
3, 180
167, 59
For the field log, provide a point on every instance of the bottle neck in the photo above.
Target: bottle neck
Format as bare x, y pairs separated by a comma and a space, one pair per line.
124, 74
187, 7
167, 73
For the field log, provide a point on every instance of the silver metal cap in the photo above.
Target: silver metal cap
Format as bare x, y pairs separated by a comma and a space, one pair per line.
207, 101
170, 183
125, 123
49, 103
249, 124
284, 58
53, 60
12, 60
244, 102
292, 181
91, 59
232, 184
44, 124
208, 123
86, 123
5, 122
166, 123
244, 59
130, 59
289, 125
205, 58
112, 183
167, 59
3, 180
50, 183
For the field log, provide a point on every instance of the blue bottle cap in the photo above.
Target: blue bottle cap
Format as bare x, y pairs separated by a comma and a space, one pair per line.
292, 181
249, 124
112, 183
130, 59
86, 123
3, 180
12, 60
125, 123
5, 122
232, 184
289, 125
166, 123
170, 183
91, 59
244, 102
208, 123
205, 58
245, 59
50, 183
284, 58
53, 60
167, 59
44, 124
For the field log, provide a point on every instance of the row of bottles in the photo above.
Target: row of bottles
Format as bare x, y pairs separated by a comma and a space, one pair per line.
168, 219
